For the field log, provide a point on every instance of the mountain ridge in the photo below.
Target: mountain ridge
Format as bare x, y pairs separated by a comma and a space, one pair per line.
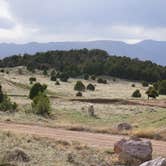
144, 50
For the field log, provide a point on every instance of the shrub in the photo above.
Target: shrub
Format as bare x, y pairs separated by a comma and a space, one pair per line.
79, 94
2, 70
5, 103
32, 79
86, 77
151, 92
162, 87
133, 85
45, 72
1, 94
79, 86
136, 94
36, 89
91, 87
57, 83
41, 105
64, 77
114, 79
145, 84
102, 81
93, 77
53, 78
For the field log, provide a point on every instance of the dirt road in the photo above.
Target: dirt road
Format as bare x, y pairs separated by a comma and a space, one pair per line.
91, 139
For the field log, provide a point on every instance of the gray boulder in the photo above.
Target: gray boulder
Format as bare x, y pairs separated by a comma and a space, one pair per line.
157, 162
134, 151
124, 126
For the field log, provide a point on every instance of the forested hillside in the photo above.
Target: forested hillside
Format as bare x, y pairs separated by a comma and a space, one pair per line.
93, 62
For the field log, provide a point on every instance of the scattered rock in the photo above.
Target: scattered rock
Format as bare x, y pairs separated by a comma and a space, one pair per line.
134, 151
17, 154
118, 146
157, 162
124, 126
91, 110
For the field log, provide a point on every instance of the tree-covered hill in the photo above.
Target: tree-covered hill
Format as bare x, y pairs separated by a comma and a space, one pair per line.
93, 62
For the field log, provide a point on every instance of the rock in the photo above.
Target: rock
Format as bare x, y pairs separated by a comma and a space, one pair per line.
124, 126
157, 162
16, 154
118, 146
91, 110
134, 151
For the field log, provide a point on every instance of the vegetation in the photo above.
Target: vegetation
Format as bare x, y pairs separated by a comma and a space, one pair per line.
53, 78
57, 82
36, 89
32, 79
136, 94
91, 62
145, 84
79, 94
102, 81
41, 105
79, 86
93, 77
162, 87
151, 92
5, 103
86, 77
91, 87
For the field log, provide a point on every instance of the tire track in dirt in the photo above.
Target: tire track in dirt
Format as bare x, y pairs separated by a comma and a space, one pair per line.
104, 141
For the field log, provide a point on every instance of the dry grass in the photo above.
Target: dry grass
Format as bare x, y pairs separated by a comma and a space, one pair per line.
43, 152
73, 114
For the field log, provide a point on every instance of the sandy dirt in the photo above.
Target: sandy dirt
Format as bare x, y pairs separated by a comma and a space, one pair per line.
91, 139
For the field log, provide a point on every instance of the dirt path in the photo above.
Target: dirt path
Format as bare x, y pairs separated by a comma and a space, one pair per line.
91, 139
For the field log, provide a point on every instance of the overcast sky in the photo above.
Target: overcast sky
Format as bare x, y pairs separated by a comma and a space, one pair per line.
79, 20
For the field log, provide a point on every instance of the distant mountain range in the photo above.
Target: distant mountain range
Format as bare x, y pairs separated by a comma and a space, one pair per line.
145, 50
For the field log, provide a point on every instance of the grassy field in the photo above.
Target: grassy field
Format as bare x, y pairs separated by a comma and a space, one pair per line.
146, 121
44, 152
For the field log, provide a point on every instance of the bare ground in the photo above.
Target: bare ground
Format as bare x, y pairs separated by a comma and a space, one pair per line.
91, 139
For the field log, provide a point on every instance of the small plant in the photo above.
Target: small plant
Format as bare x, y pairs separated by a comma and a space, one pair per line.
86, 77
45, 72
53, 78
114, 79
32, 79
41, 105
79, 86
91, 87
64, 77
57, 83
93, 77
2, 70
79, 94
36, 89
102, 81
151, 92
133, 85
136, 94
145, 84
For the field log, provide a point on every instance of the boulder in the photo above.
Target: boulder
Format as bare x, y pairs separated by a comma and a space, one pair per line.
16, 154
118, 146
157, 162
133, 151
124, 126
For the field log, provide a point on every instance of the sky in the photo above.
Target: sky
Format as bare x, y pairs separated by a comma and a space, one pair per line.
130, 21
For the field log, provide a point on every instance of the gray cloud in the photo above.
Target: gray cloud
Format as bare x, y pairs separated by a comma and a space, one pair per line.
93, 18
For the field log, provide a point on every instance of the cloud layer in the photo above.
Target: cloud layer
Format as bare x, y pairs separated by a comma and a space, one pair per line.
62, 20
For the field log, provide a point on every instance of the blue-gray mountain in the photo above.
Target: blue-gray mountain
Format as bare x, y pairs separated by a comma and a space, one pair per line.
145, 50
